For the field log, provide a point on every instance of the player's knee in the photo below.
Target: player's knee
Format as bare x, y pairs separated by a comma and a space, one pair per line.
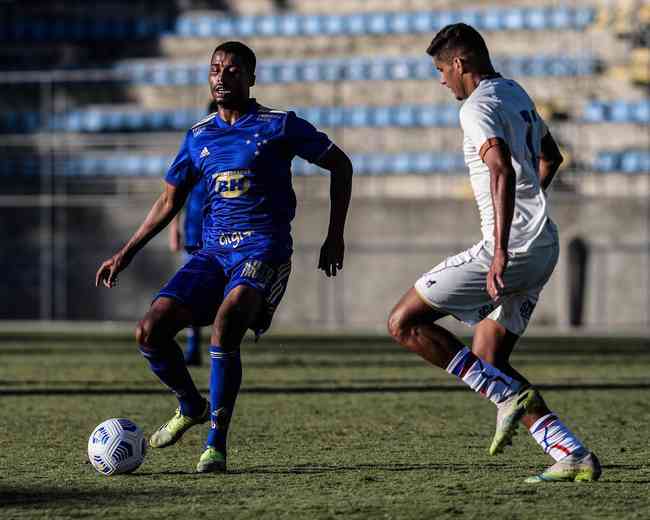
397, 326
147, 333
142, 331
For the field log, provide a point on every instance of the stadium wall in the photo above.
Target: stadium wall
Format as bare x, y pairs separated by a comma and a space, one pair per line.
396, 231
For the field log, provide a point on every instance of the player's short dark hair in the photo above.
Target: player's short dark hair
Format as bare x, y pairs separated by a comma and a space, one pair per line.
240, 50
458, 38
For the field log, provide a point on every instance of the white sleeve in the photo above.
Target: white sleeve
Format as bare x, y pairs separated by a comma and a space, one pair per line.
481, 123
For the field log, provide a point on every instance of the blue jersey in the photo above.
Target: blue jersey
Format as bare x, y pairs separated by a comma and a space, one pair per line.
194, 217
246, 171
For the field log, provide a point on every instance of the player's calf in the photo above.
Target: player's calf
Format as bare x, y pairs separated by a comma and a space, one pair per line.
155, 337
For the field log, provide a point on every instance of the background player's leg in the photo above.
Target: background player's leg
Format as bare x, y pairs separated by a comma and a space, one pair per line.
236, 314
193, 349
411, 324
155, 335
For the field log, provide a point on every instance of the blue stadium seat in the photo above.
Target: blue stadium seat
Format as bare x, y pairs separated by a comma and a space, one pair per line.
401, 164
400, 23
535, 19
423, 162
470, 17
312, 25
267, 25
620, 112
405, 116
606, 162
382, 116
642, 112
426, 115
561, 18
635, 161
492, 20
594, 112
357, 117
584, 16
513, 19
378, 23
334, 25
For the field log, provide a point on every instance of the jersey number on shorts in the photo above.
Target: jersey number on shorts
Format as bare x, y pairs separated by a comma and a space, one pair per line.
530, 116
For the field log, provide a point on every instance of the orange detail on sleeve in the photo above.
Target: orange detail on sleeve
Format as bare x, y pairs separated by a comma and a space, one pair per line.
492, 141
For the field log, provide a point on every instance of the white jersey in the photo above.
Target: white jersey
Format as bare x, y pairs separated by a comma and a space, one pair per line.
500, 109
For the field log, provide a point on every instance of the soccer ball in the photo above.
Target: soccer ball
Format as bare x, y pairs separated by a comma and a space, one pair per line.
116, 446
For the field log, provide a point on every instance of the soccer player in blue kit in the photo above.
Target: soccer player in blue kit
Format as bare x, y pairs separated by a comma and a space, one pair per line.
242, 154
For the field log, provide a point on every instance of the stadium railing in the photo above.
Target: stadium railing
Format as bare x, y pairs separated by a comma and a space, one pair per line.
191, 25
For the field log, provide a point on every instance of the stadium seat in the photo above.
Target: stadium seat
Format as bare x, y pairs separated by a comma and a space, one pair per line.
351, 69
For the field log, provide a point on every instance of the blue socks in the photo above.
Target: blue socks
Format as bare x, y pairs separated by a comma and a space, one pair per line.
168, 364
225, 379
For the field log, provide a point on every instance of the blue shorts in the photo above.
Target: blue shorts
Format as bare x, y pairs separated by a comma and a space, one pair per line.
211, 273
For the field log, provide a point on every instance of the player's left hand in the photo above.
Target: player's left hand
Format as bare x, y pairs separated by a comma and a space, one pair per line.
495, 283
331, 255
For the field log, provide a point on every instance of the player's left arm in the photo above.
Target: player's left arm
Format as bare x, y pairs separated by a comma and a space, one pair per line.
550, 159
340, 167
503, 188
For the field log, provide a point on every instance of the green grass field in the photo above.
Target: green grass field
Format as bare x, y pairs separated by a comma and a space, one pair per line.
323, 429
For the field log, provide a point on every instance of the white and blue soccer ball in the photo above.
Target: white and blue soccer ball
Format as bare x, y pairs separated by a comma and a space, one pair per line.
116, 446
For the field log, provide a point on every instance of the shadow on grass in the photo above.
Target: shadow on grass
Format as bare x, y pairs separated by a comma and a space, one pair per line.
61, 497
330, 468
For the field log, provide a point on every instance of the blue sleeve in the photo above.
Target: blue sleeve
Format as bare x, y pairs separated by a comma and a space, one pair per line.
305, 140
182, 171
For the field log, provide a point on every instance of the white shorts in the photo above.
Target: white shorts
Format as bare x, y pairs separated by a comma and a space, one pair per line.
458, 286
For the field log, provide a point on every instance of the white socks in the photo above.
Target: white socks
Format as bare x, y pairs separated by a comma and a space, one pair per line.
554, 437
482, 377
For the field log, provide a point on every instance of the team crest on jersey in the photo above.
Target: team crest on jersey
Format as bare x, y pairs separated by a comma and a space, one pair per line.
231, 184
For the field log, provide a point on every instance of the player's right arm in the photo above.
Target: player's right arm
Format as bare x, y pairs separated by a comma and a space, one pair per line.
161, 213
180, 178
550, 160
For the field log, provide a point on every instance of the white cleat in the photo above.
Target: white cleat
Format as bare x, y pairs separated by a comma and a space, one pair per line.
577, 467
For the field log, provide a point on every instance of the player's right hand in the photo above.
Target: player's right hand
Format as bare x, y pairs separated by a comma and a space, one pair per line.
108, 271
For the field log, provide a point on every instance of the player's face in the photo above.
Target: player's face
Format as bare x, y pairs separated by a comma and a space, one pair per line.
230, 80
451, 76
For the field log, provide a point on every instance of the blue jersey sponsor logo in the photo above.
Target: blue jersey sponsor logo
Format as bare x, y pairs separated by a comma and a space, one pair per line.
231, 184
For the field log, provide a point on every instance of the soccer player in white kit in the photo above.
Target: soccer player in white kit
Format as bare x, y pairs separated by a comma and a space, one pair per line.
495, 285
